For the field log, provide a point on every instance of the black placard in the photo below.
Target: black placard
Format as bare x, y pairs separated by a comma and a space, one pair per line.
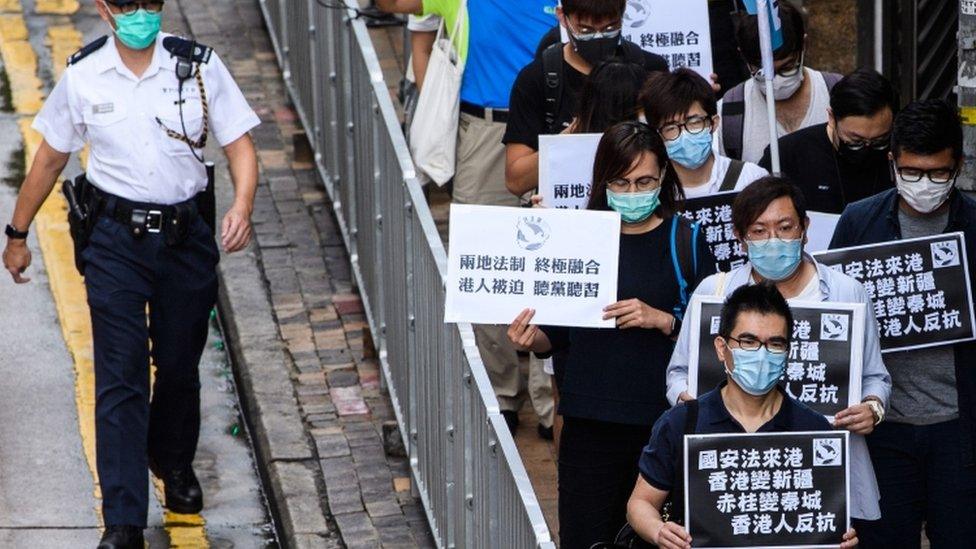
920, 288
824, 366
767, 490
714, 217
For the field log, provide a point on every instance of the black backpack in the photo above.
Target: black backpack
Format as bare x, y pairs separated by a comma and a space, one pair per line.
674, 507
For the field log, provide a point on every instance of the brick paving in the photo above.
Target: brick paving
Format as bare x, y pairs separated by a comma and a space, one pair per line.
335, 375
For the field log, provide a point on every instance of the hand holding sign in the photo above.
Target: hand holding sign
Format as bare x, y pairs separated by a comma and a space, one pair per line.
858, 419
672, 536
634, 313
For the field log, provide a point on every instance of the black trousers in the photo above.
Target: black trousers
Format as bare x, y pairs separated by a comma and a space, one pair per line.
178, 284
924, 484
597, 473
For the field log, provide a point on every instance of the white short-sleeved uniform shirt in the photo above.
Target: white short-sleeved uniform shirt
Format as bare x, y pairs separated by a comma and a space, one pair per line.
750, 173
101, 102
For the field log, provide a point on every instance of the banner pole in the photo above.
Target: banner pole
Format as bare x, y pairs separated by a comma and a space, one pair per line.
763, 15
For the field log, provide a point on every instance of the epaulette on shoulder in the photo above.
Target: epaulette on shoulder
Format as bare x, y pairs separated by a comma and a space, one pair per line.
187, 49
87, 50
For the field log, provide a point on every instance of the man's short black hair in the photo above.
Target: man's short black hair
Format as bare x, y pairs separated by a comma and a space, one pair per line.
927, 127
752, 201
669, 94
794, 31
597, 9
864, 92
762, 298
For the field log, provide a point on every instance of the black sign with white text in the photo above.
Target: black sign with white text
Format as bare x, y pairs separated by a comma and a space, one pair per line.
767, 489
920, 288
714, 217
823, 368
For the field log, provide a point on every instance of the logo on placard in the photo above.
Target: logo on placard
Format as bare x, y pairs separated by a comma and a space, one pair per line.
532, 233
715, 325
637, 13
827, 452
834, 327
945, 254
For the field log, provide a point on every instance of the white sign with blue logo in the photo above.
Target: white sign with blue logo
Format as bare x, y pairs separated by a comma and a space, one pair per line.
677, 30
503, 260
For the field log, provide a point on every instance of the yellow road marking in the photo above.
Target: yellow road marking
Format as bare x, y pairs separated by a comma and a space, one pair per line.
10, 6
20, 62
56, 7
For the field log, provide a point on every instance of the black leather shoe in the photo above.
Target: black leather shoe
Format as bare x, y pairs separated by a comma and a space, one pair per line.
122, 537
182, 490
512, 420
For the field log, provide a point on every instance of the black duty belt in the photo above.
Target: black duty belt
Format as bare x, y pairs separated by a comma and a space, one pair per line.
174, 220
497, 115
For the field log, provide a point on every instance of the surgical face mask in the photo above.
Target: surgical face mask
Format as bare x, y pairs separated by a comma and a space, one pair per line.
634, 207
691, 150
775, 259
595, 47
137, 30
784, 87
924, 195
756, 372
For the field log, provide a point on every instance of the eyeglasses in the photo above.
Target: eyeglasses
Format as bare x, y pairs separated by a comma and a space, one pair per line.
131, 7
786, 231
937, 175
881, 144
589, 33
786, 71
775, 345
693, 125
646, 183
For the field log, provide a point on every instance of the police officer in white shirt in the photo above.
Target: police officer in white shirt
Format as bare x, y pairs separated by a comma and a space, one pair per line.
146, 103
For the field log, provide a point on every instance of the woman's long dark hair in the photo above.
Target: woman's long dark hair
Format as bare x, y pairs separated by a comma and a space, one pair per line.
621, 147
609, 95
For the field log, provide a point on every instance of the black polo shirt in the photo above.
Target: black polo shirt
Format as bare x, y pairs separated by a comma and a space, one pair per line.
662, 456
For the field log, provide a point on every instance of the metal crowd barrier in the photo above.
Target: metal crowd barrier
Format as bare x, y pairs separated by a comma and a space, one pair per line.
465, 465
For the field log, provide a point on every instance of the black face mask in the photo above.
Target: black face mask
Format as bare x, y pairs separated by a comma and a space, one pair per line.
596, 50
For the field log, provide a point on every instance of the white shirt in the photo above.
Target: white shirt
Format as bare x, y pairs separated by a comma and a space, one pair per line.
810, 292
101, 102
755, 125
750, 173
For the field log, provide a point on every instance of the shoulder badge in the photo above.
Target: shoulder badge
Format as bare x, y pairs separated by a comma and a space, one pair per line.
87, 50
187, 49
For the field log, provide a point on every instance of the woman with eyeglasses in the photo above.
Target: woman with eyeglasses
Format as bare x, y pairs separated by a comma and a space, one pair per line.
681, 105
613, 387
770, 219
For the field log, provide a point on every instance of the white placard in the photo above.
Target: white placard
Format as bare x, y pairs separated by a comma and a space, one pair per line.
566, 169
677, 30
503, 260
821, 231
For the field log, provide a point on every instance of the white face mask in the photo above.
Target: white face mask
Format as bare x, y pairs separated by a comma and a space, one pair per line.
924, 196
784, 87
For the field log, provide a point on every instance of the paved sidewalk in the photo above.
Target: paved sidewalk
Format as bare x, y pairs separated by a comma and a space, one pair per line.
300, 336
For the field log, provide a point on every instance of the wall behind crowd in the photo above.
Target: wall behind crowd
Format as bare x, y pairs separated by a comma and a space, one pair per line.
832, 40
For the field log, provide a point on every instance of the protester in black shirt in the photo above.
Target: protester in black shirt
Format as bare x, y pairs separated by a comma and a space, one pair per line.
614, 385
545, 94
846, 159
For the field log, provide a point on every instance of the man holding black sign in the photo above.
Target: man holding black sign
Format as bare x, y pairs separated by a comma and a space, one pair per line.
925, 454
770, 219
753, 342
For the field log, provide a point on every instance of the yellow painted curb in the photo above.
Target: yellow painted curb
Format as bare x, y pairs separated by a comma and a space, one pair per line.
56, 7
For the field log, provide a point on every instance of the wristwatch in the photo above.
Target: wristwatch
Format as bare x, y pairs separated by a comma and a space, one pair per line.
13, 233
877, 409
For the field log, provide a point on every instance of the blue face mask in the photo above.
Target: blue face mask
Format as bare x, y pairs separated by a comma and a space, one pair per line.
691, 150
775, 259
634, 207
138, 30
756, 372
